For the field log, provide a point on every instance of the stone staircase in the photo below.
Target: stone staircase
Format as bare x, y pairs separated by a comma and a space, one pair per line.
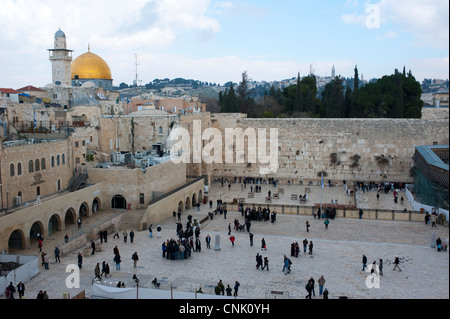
131, 219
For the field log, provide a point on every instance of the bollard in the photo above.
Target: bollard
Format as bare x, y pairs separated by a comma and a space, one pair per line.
217, 243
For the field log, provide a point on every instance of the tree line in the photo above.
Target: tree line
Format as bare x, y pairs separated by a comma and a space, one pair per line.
394, 96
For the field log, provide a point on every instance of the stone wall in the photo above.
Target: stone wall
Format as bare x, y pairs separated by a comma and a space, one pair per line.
306, 147
130, 183
26, 183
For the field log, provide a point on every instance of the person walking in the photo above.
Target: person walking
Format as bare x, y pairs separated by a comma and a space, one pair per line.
380, 266
158, 230
308, 289
310, 247
396, 263
263, 244
305, 245
135, 258
313, 282
307, 226
364, 262
93, 247
57, 253
46, 261
21, 289
80, 260
229, 229
117, 261
79, 222
236, 288
150, 231
232, 239
208, 241
326, 223
131, 236
321, 283
250, 235
40, 244
97, 272
266, 264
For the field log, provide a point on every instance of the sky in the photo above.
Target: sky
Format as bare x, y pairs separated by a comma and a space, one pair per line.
217, 40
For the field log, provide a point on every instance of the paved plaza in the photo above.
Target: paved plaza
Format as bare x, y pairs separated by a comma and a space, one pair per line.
337, 255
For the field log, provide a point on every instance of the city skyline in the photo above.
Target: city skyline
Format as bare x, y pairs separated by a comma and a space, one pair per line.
215, 41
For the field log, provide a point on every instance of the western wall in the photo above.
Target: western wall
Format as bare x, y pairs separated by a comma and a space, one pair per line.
343, 149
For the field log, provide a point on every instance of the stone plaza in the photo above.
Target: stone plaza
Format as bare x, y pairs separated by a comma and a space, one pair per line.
337, 254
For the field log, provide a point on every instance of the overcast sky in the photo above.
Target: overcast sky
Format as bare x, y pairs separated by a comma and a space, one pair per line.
215, 41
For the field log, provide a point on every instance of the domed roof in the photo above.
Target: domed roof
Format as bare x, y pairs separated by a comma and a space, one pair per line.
90, 66
60, 34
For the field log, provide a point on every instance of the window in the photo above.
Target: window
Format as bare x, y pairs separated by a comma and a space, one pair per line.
37, 166
83, 143
160, 130
57, 160
77, 160
30, 166
63, 159
58, 185
141, 198
53, 161
19, 169
43, 163
55, 95
76, 144
11, 170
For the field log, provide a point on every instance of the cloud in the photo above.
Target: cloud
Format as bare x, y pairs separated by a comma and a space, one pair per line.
426, 20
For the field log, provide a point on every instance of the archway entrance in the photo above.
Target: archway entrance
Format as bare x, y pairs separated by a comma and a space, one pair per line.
53, 225
71, 217
180, 206
95, 205
119, 202
188, 202
35, 230
84, 210
194, 199
16, 240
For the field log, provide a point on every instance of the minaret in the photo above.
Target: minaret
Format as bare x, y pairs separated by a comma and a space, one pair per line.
333, 72
61, 60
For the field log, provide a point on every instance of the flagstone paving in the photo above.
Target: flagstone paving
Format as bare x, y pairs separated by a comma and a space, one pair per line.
337, 255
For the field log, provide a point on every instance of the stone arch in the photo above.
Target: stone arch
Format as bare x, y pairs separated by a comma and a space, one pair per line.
188, 202
119, 202
16, 239
194, 199
70, 217
83, 211
54, 224
96, 205
36, 229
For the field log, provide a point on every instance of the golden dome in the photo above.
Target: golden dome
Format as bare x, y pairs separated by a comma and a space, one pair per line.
90, 66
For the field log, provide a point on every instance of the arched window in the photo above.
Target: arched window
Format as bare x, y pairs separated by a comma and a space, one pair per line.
11, 170
43, 163
30, 166
58, 185
53, 161
19, 168
57, 160
36, 165
63, 159
160, 130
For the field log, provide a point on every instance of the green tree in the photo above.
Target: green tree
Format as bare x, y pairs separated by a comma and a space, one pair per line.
298, 98
333, 99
